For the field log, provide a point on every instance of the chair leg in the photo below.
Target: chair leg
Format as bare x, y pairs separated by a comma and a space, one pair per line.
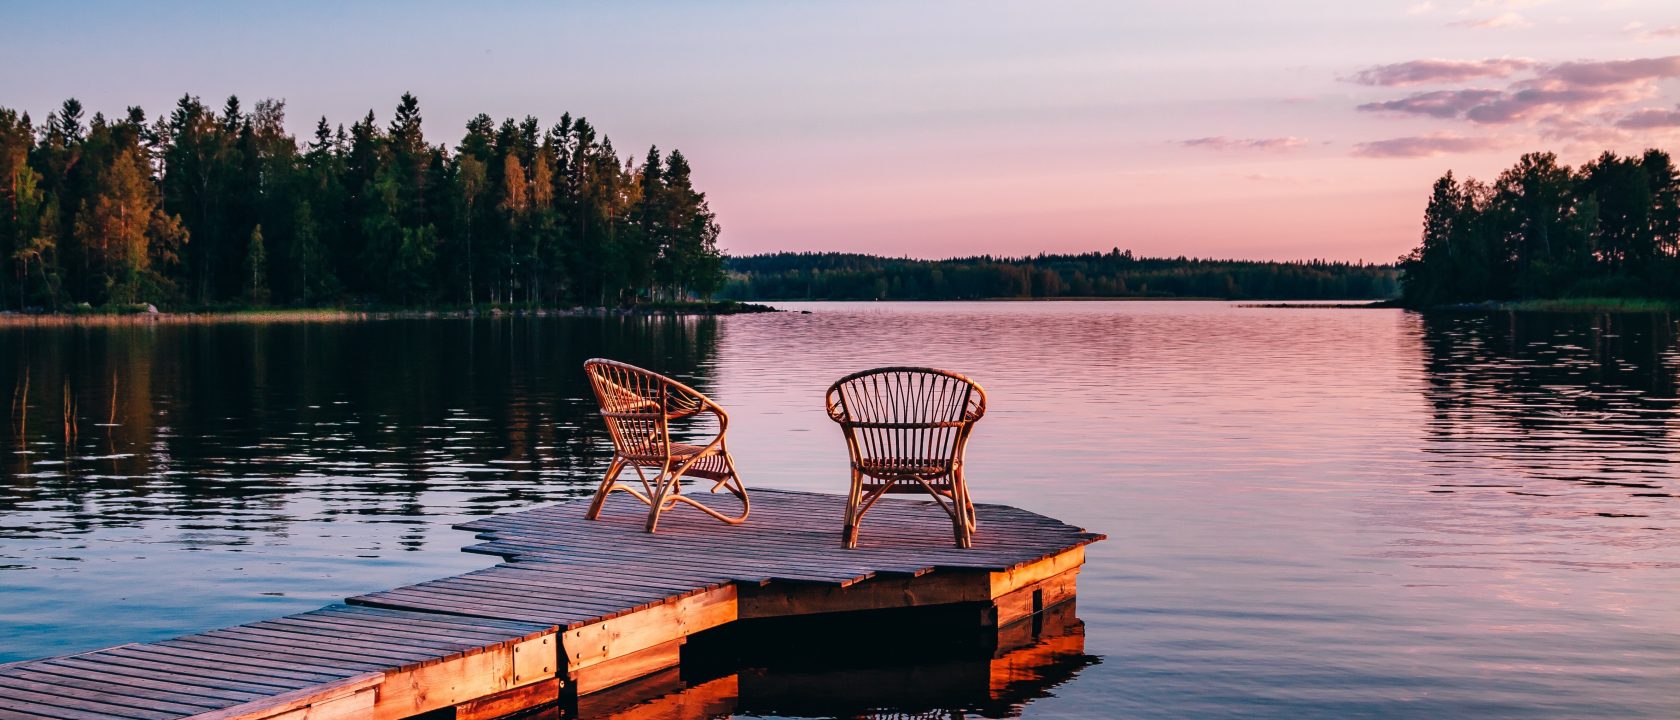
737, 488
731, 481
663, 487
605, 489
973, 516
962, 516
849, 535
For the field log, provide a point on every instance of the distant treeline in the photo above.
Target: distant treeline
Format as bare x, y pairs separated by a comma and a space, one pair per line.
1114, 274
224, 207
1610, 228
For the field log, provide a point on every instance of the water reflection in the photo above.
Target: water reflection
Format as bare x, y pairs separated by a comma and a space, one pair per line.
116, 425
1578, 398
908, 668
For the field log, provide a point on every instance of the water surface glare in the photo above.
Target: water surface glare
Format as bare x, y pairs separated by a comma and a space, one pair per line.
1311, 512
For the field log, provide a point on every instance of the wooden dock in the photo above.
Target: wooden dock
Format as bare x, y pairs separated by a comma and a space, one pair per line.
575, 608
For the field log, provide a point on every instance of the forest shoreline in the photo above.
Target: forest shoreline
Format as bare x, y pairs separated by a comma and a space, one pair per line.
1548, 305
218, 315
141, 316
1570, 305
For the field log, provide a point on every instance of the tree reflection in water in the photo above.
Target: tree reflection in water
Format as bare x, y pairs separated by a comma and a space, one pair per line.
1594, 391
214, 420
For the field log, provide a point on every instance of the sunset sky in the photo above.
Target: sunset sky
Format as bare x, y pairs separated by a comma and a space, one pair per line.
1257, 130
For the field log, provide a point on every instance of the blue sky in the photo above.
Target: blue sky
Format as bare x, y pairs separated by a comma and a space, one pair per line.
1235, 129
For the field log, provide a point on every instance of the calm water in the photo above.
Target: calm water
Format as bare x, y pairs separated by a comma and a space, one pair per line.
1311, 512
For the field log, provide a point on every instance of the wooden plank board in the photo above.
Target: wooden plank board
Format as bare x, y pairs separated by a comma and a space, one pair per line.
1028, 600
144, 697
330, 699
72, 706
621, 636
423, 689
508, 702
229, 687
199, 664
619, 670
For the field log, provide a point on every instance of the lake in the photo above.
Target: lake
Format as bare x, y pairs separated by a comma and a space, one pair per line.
1311, 512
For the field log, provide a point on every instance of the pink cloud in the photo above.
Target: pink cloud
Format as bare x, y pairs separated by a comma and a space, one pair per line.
1502, 20
1417, 72
1269, 178
1436, 103
1650, 119
1424, 146
1600, 73
1663, 32
1533, 102
1593, 131
1643, 34
1220, 142
1563, 97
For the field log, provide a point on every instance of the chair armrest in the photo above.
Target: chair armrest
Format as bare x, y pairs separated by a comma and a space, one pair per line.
976, 406
682, 403
834, 405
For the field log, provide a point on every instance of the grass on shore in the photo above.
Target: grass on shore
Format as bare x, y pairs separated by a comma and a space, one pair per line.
1595, 304
1574, 304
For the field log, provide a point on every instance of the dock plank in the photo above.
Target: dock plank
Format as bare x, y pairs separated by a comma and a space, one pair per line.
113, 687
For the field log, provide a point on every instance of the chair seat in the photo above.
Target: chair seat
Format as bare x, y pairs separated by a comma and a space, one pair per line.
711, 465
903, 467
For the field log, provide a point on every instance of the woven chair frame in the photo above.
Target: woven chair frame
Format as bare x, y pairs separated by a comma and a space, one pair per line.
907, 430
639, 407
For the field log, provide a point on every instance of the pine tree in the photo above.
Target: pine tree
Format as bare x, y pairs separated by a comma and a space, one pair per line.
410, 156
695, 255
256, 269
649, 231
67, 124
1427, 268
471, 178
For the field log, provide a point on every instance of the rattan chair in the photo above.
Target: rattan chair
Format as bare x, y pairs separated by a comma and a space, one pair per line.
639, 406
906, 429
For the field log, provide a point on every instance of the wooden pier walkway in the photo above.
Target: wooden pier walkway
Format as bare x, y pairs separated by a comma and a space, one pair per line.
574, 608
